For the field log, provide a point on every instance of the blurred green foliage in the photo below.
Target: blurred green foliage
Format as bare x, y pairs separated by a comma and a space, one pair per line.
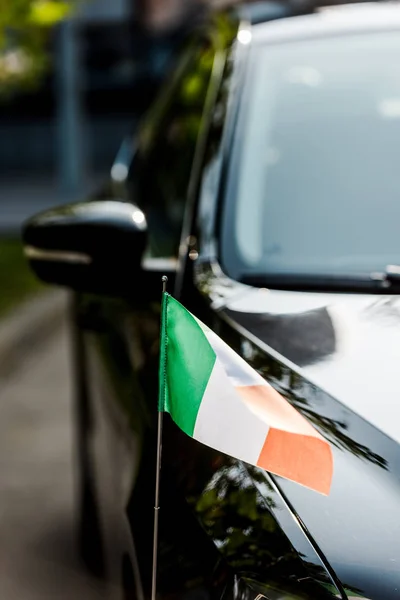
17, 282
24, 33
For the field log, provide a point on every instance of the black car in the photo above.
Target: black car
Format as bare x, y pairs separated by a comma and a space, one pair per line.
265, 183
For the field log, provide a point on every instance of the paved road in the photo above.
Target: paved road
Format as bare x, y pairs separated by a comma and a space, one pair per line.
38, 559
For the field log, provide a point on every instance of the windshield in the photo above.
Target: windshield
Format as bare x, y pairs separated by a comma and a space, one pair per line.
313, 183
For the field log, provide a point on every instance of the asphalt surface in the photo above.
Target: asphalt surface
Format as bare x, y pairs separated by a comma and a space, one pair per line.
38, 556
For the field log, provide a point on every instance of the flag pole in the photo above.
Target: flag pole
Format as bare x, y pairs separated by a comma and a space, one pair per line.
164, 280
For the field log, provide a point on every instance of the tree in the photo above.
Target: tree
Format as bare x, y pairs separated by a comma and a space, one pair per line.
24, 32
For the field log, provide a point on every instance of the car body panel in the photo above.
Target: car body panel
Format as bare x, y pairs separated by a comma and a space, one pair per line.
356, 526
331, 21
228, 530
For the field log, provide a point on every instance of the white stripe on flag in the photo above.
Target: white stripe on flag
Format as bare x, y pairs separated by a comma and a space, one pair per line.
267, 404
225, 423
237, 369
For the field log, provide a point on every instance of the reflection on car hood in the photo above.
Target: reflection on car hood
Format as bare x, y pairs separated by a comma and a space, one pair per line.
348, 347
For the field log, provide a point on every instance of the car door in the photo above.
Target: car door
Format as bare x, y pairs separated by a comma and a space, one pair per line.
119, 347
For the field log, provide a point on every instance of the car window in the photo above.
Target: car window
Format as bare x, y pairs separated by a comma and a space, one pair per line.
212, 163
166, 145
314, 184
167, 140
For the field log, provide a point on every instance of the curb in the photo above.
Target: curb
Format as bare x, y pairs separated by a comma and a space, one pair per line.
29, 325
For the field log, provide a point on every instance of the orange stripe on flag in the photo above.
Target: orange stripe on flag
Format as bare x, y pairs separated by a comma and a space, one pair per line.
301, 458
293, 448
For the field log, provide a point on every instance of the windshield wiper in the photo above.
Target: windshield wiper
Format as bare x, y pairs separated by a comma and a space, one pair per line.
382, 283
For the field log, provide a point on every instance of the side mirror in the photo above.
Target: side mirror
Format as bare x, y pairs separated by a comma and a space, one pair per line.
88, 246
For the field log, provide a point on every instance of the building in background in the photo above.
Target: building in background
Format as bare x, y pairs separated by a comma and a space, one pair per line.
106, 64
103, 72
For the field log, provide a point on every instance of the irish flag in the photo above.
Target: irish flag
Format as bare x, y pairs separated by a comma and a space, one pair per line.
215, 397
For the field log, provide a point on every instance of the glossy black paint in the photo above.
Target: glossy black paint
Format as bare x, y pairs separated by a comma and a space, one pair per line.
228, 530
355, 529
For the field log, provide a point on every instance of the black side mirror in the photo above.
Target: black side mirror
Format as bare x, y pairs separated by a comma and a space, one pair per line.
88, 246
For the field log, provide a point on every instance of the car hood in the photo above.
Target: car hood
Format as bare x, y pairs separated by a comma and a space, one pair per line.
345, 352
347, 344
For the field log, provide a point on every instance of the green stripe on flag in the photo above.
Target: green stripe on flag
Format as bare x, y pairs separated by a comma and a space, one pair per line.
186, 362
163, 351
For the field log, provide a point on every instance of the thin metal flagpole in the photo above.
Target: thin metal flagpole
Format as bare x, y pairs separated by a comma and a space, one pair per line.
164, 280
